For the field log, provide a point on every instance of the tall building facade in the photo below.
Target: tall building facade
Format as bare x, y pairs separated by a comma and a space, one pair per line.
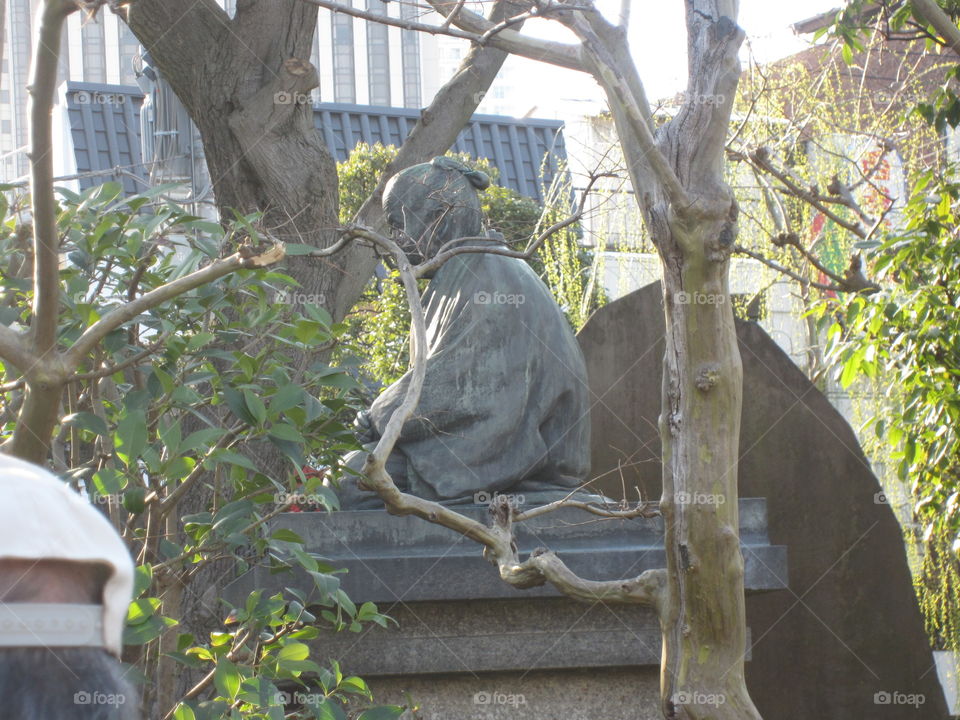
359, 62
100, 50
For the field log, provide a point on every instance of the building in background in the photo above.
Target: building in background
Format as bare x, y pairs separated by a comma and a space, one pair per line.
359, 63
100, 51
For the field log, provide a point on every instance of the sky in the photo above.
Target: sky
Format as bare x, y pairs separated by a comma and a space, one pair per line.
658, 43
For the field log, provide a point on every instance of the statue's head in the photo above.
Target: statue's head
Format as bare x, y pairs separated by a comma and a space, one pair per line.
432, 203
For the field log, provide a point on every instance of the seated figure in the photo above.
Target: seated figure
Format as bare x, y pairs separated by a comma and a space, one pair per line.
505, 402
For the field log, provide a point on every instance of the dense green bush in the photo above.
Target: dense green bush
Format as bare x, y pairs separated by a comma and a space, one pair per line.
191, 430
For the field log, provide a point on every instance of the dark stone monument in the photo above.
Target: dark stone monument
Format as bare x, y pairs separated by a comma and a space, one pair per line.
846, 641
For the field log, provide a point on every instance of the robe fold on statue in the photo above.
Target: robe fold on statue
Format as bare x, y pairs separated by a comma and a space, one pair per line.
505, 402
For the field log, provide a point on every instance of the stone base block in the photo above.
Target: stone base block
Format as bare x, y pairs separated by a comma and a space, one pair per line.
610, 694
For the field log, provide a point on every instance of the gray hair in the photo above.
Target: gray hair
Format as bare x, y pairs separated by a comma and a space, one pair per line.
60, 683
65, 684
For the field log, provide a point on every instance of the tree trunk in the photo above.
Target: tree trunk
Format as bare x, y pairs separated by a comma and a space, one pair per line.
703, 616
245, 82
691, 215
246, 85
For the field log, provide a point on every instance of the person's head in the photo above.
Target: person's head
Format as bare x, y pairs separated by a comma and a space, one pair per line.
66, 580
432, 203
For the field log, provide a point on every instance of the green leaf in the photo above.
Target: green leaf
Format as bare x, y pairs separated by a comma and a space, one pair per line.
87, 421
256, 407
147, 631
134, 500
199, 340
293, 651
847, 53
285, 431
131, 436
381, 712
227, 678
108, 481
183, 712
202, 439
328, 710
286, 535
293, 450
340, 380
285, 398
235, 458
142, 577
355, 685
235, 401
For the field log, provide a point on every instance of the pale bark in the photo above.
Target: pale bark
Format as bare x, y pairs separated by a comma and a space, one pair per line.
934, 15
46, 238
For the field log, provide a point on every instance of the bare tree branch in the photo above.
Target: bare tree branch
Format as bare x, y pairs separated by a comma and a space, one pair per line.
245, 259
555, 53
761, 158
434, 132
46, 238
773, 264
608, 73
644, 509
402, 23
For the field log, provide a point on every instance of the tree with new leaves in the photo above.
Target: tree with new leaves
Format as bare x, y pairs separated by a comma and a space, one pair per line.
903, 337
823, 140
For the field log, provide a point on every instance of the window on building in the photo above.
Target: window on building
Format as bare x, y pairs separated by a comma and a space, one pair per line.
129, 49
63, 66
344, 83
94, 51
410, 52
378, 56
18, 22
315, 61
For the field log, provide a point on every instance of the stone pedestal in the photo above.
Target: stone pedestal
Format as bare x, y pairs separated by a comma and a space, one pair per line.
467, 645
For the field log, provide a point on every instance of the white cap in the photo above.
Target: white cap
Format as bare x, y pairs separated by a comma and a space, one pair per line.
42, 518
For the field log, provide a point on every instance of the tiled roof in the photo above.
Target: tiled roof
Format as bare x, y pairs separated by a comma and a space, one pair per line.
523, 150
105, 127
